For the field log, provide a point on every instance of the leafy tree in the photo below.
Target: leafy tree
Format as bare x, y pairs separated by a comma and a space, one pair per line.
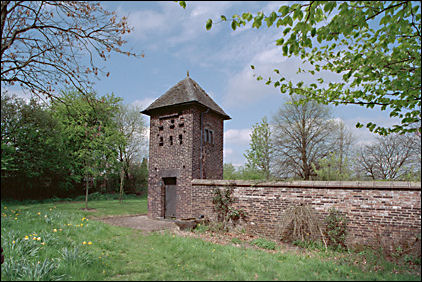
342, 148
374, 45
44, 43
91, 132
303, 134
142, 179
9, 120
259, 155
242, 173
392, 157
34, 156
250, 173
131, 126
329, 168
229, 172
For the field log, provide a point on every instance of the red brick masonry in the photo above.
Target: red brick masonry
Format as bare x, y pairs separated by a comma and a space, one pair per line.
391, 210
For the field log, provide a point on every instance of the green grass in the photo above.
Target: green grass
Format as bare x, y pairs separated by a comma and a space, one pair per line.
118, 253
264, 244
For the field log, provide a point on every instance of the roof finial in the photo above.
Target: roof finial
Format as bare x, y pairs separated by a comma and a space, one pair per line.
187, 73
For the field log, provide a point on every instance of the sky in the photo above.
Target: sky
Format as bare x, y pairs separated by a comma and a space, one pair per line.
174, 40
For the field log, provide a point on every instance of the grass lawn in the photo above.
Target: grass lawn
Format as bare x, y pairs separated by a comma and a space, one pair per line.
54, 241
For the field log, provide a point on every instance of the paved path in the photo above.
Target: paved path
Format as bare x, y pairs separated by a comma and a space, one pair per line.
141, 222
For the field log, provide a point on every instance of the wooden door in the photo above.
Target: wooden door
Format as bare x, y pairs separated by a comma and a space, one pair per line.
170, 197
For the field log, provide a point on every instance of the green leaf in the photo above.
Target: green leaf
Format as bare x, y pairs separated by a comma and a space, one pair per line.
182, 4
234, 25
247, 16
283, 10
329, 6
223, 18
208, 24
252, 67
280, 41
289, 21
271, 19
285, 49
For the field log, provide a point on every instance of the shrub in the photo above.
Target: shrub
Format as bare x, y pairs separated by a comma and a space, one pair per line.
336, 229
222, 206
300, 223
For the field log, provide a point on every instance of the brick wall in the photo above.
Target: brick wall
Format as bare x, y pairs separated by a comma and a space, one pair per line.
170, 158
391, 210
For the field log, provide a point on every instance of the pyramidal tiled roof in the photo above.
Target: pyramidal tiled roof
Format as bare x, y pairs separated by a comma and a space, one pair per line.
185, 91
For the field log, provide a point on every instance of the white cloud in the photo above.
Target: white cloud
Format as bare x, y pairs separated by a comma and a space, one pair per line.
144, 103
273, 6
146, 22
244, 89
173, 23
238, 137
236, 141
227, 152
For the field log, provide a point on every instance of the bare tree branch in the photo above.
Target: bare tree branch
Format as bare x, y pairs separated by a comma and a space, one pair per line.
47, 46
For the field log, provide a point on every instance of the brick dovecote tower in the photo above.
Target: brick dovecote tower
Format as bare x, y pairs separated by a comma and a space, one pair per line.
186, 142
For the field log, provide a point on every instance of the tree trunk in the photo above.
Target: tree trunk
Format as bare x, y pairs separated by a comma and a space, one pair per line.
86, 192
122, 177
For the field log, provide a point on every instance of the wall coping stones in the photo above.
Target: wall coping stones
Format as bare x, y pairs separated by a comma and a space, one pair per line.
367, 185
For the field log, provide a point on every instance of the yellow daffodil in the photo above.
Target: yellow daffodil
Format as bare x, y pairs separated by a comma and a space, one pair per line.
43, 243
13, 241
83, 243
82, 224
38, 213
39, 239
60, 229
26, 237
89, 243
54, 230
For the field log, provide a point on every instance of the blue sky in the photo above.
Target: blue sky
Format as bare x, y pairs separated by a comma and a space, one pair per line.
175, 40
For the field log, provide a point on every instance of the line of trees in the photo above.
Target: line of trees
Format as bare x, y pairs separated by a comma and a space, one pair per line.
305, 142
82, 143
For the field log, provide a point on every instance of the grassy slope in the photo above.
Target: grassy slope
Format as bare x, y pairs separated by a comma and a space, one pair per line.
118, 253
